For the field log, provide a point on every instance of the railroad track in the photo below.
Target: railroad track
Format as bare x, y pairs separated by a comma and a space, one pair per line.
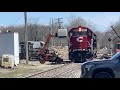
67, 70
39, 74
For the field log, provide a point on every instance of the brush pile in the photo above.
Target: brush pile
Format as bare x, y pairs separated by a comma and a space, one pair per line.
62, 51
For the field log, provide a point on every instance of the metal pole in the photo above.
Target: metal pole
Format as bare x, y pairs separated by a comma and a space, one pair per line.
26, 37
111, 48
115, 31
111, 44
51, 27
52, 33
43, 38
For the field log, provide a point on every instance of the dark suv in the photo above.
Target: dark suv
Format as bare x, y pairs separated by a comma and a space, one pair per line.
108, 68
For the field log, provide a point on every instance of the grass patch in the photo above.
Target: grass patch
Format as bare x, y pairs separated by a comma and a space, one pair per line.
12, 73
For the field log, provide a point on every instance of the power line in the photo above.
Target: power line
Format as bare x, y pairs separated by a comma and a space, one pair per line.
18, 19
59, 22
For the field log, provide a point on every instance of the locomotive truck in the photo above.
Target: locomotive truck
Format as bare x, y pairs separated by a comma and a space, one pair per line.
82, 43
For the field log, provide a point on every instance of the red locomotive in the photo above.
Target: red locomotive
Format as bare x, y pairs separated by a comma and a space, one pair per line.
82, 44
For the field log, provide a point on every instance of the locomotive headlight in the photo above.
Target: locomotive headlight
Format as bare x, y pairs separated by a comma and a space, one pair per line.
88, 66
80, 29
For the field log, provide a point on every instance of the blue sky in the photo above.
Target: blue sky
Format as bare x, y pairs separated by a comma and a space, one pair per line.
101, 19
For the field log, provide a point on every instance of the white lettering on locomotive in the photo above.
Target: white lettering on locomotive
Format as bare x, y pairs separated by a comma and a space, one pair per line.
79, 39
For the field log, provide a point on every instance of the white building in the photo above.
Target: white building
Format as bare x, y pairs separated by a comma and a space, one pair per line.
9, 44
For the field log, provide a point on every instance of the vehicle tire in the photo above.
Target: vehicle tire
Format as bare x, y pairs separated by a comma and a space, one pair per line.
79, 61
42, 61
58, 60
102, 75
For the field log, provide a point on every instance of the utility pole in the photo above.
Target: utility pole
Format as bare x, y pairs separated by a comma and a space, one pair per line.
59, 27
51, 27
52, 31
36, 33
26, 37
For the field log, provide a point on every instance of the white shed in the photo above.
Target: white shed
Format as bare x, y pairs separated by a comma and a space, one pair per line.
9, 44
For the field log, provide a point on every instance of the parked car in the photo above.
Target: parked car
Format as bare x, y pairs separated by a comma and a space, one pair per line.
108, 68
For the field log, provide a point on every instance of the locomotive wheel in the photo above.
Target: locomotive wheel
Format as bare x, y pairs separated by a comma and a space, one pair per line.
58, 60
42, 61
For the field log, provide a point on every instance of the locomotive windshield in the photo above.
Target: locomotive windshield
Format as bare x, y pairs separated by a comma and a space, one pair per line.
76, 32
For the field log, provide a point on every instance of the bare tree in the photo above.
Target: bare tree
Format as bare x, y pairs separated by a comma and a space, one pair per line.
75, 21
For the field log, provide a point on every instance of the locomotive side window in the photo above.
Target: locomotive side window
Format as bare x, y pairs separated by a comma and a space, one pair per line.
89, 33
118, 46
